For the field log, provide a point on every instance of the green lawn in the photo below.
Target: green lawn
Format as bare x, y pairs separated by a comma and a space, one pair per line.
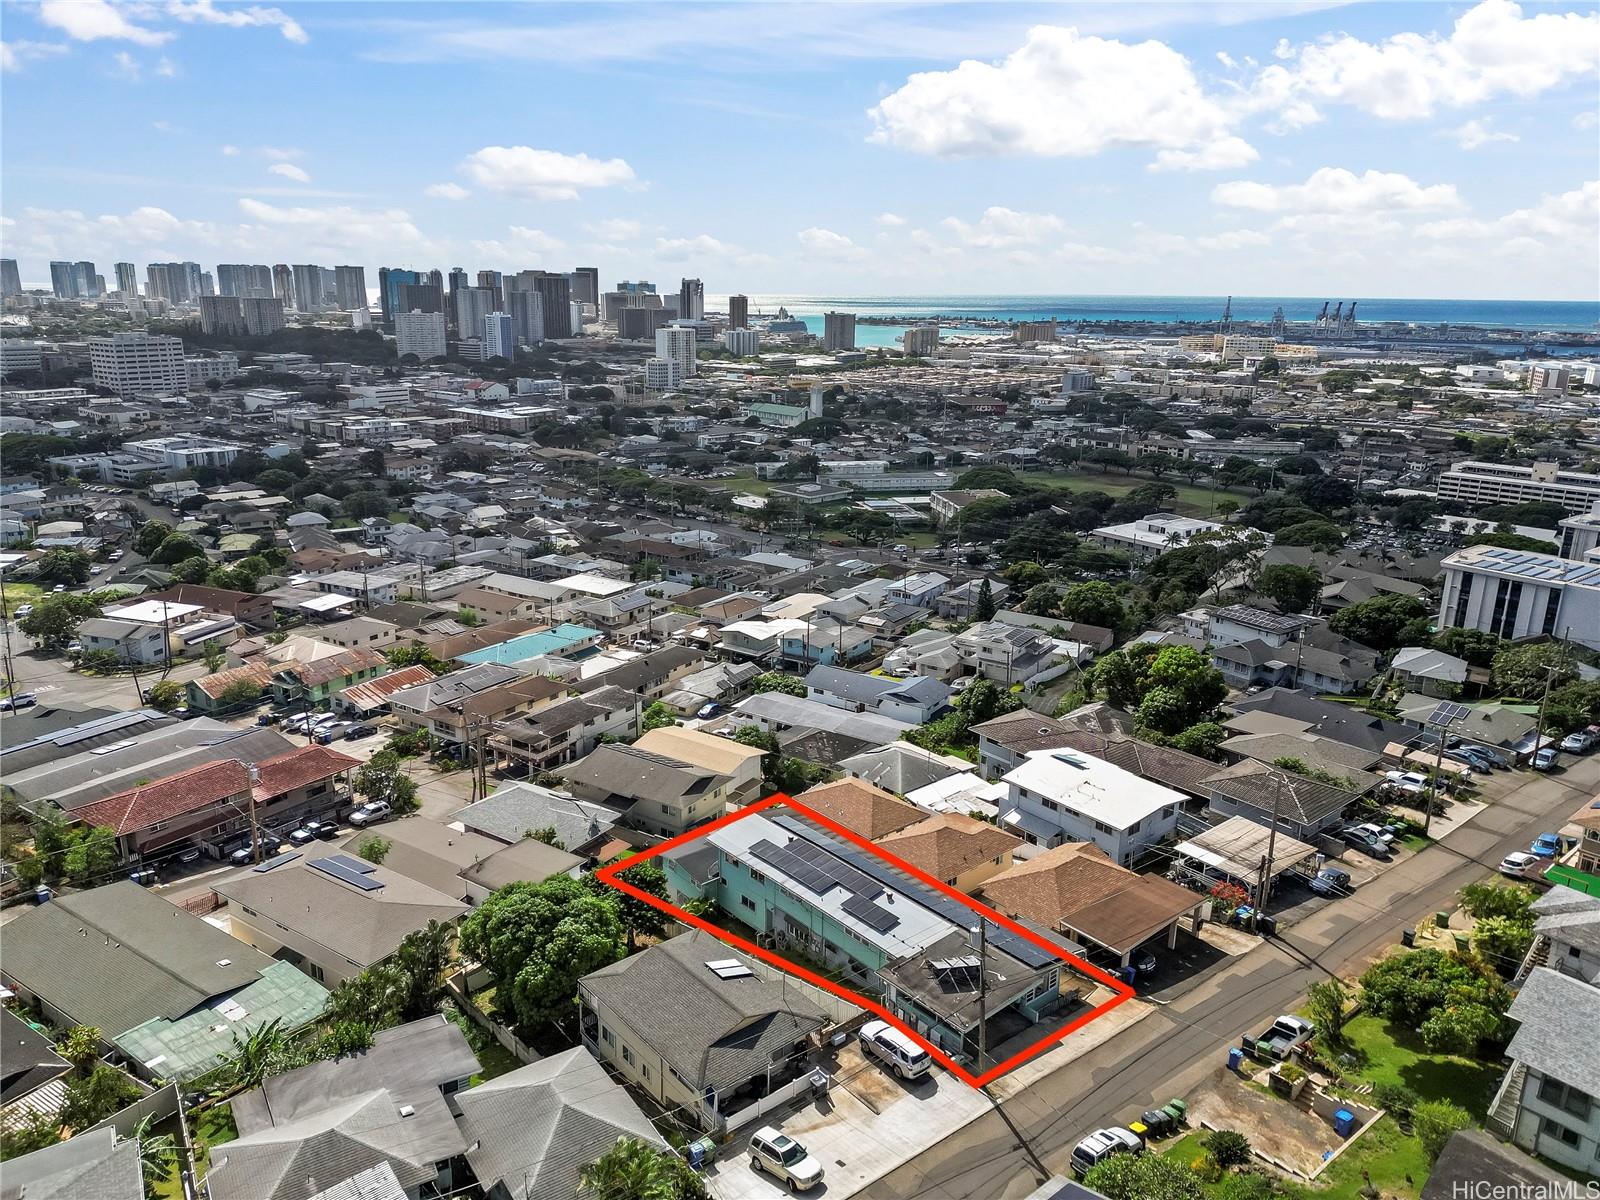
209, 1127
1395, 1161
1192, 501
20, 593
748, 484
1385, 1054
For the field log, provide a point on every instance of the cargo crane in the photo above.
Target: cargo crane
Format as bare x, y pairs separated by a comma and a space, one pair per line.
1227, 316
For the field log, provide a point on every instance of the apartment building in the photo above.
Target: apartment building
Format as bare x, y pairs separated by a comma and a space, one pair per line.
130, 363
1505, 483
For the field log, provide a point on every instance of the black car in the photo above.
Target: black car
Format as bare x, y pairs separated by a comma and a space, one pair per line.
312, 830
356, 732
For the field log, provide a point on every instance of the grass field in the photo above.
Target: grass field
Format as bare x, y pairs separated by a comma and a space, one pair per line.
1192, 501
1385, 1054
20, 593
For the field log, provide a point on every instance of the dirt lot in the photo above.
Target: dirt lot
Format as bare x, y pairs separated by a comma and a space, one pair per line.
1276, 1128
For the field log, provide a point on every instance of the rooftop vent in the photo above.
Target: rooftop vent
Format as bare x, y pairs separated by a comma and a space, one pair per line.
729, 968
407, 1111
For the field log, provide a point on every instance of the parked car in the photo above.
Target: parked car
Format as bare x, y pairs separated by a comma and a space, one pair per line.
894, 1049
1471, 761
356, 732
20, 700
191, 855
1578, 743
310, 831
1545, 760
1284, 1035
1367, 843
1546, 845
1518, 863
1412, 782
1103, 1144
777, 1154
58, 589
371, 813
246, 854
326, 734
708, 710
1331, 881
1144, 961
21, 610
1495, 758
1383, 833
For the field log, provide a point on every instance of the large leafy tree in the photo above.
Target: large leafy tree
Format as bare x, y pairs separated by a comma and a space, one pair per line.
1093, 604
383, 777
95, 1097
151, 534
62, 565
177, 548
54, 620
1522, 670
538, 940
1384, 622
1293, 588
636, 916
635, 1170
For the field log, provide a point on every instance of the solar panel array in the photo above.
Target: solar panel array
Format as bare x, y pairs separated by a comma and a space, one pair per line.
349, 870
1448, 713
814, 869
276, 862
1530, 565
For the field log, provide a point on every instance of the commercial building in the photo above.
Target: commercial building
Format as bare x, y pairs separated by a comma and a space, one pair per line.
252, 280
350, 287
127, 279
677, 343
420, 333
1501, 483
691, 300
310, 287
1520, 594
499, 334
62, 281
640, 324
838, 331
738, 312
527, 312
472, 305
555, 299
1152, 535
262, 314
10, 279
661, 374
1036, 331
920, 341
130, 363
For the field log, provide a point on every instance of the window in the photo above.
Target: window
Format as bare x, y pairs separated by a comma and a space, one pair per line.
157, 827
1563, 1096
747, 903
666, 808
627, 1056
646, 1070
1554, 1129
607, 1036
756, 876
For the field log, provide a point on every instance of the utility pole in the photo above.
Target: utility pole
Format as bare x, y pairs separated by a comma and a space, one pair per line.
983, 991
1265, 874
1538, 729
253, 777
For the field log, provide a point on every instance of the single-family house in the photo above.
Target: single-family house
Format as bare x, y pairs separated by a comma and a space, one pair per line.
1549, 1101
1061, 796
657, 793
564, 730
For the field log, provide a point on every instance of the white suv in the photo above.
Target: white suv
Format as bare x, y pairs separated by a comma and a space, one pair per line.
895, 1050
777, 1154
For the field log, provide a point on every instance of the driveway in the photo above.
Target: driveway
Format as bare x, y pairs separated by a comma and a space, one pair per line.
869, 1123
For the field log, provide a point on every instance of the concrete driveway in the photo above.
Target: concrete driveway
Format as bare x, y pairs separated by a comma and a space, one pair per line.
869, 1124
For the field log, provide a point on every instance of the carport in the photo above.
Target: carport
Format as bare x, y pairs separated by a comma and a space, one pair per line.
1234, 851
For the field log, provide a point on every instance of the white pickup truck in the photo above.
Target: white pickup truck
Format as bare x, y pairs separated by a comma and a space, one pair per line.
1282, 1036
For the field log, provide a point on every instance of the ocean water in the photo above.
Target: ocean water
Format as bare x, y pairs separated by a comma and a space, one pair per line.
1553, 316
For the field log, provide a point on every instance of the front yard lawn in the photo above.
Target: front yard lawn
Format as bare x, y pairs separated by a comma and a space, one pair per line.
1384, 1054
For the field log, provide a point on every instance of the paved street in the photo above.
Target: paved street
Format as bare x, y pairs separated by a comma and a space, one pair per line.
1023, 1139
50, 677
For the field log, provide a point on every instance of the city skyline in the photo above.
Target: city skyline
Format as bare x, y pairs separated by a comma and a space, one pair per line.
1382, 150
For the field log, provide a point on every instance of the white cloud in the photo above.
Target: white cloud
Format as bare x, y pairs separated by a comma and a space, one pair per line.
446, 191
826, 244
279, 153
338, 228
289, 171
1491, 51
1059, 94
166, 68
544, 174
891, 220
205, 12
1221, 155
1569, 219
615, 229
127, 66
1475, 133
93, 20
700, 246
524, 243
1336, 190
1226, 60
1003, 228
1586, 120
16, 55
230, 151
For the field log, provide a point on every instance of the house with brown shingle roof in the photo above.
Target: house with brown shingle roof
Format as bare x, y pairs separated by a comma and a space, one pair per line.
862, 808
1076, 890
325, 678
205, 693
954, 848
302, 783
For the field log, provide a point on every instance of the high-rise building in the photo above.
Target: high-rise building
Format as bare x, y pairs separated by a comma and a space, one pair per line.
127, 279
1036, 331
420, 333
62, 281
661, 374
244, 279
208, 286
495, 281
742, 343
221, 314
527, 311
739, 312
262, 314
308, 287
677, 343
283, 284
129, 363
920, 341
691, 300
84, 278
586, 286
350, 287
555, 296
638, 288
499, 336
473, 304
458, 279
390, 280
838, 331
174, 282
10, 278
420, 297
640, 324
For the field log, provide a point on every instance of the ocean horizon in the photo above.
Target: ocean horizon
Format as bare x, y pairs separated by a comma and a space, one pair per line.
1552, 316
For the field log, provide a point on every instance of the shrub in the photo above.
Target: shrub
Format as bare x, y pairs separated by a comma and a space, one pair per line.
1228, 1147
1435, 1121
1397, 1099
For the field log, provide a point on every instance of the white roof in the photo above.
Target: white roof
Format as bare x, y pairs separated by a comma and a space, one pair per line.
152, 612
762, 630
964, 792
1099, 790
328, 603
595, 585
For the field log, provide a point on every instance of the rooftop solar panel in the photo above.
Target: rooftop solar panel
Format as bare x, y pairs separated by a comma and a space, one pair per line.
344, 874
275, 862
879, 920
352, 863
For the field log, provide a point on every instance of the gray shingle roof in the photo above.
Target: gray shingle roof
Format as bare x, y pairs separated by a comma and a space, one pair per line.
91, 1166
27, 1058
535, 1129
1560, 1033
514, 809
628, 771
117, 956
715, 1032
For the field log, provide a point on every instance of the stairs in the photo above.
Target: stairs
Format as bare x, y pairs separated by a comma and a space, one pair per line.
1537, 956
1502, 1117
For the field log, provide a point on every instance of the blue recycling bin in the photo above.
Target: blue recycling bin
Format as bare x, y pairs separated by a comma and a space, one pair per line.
1344, 1122
1235, 1058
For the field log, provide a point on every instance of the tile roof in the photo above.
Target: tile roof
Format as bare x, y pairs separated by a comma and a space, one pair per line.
863, 808
336, 666
530, 1132
308, 764
257, 673
163, 799
948, 844
374, 692
1075, 886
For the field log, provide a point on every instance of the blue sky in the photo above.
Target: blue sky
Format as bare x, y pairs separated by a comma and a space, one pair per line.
1256, 148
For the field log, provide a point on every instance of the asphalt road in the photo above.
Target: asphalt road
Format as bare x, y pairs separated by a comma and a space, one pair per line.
1014, 1147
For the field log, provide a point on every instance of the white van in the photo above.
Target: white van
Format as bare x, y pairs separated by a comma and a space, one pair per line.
894, 1049
1101, 1145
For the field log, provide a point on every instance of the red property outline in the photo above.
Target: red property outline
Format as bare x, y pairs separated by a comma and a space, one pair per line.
609, 875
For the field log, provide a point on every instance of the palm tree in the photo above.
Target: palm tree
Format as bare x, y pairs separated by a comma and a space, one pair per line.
425, 956
258, 1054
158, 1154
80, 1046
